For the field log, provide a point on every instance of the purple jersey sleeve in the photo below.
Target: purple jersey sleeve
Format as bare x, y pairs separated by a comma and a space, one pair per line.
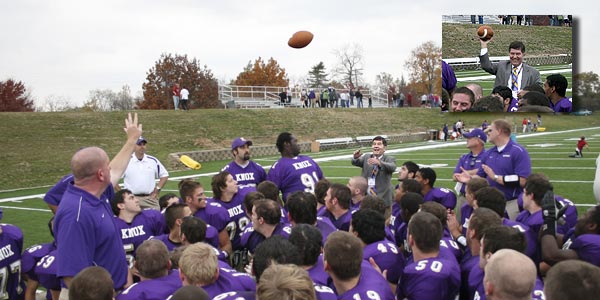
448, 77
530, 236
32, 255
443, 196
569, 218
56, 192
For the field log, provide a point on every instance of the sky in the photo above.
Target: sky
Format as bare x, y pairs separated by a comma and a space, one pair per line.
67, 48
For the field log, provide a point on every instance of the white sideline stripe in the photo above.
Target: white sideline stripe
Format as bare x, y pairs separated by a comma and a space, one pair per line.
26, 208
348, 156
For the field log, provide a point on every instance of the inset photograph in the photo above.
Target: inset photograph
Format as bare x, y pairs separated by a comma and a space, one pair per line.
508, 63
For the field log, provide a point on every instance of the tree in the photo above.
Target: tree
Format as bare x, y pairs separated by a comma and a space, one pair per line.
349, 64
424, 66
54, 103
171, 69
261, 74
107, 100
14, 96
586, 84
317, 77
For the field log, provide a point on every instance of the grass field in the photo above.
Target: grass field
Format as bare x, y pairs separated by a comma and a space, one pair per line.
572, 178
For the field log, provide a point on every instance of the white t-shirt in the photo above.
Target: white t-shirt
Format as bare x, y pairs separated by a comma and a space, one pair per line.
184, 94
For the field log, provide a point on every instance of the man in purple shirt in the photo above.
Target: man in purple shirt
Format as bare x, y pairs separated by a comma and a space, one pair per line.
199, 266
85, 231
426, 177
358, 188
449, 248
501, 271
308, 240
293, 172
11, 246
173, 217
227, 192
351, 277
405, 186
246, 172
266, 217
337, 203
410, 204
302, 209
430, 276
157, 280
471, 162
535, 188
134, 224
555, 88
506, 165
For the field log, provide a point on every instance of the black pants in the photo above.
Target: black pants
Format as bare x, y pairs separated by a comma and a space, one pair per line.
184, 104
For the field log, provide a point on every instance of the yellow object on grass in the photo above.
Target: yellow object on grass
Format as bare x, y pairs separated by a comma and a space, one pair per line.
189, 162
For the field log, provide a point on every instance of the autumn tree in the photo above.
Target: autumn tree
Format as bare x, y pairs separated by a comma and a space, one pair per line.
424, 66
261, 74
14, 96
171, 69
317, 77
350, 64
108, 100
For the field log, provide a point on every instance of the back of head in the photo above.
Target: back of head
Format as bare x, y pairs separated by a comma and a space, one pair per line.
249, 200
559, 82
411, 185
476, 89
285, 282
321, 190
492, 198
488, 104
190, 292
436, 209
537, 184
302, 207
426, 231
411, 202
482, 219
199, 264
274, 249
152, 259
504, 92
92, 283
502, 126
269, 189
429, 174
476, 183
369, 225
572, 279
510, 274
284, 137
342, 193
174, 212
309, 241
536, 98
87, 161
411, 166
534, 87
375, 203
269, 210
194, 229
187, 188
343, 254
503, 237
163, 201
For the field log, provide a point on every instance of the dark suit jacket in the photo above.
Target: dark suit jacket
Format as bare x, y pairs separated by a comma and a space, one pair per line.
503, 71
383, 179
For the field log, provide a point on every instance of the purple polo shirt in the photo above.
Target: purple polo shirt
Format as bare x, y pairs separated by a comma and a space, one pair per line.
214, 214
432, 278
563, 105
153, 289
587, 247
11, 244
249, 176
387, 257
512, 160
443, 196
86, 235
300, 173
468, 162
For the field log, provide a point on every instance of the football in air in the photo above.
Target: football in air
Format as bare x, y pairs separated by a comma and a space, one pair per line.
485, 32
300, 39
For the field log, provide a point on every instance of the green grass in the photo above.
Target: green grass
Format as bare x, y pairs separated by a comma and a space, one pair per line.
47, 149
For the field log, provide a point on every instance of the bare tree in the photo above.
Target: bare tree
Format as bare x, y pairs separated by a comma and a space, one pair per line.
424, 66
54, 103
350, 64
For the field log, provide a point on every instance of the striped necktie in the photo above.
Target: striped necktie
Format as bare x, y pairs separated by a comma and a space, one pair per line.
515, 79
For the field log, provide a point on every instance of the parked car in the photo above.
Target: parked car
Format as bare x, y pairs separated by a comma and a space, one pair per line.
582, 112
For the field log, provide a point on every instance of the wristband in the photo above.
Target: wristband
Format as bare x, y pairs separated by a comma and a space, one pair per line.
462, 240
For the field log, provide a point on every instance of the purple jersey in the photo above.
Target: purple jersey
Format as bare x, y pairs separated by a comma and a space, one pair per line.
448, 77
246, 295
325, 227
387, 257
512, 160
153, 289
449, 249
45, 271
401, 237
341, 223
530, 236
432, 278
165, 239
230, 280
563, 105
569, 218
147, 223
212, 236
300, 173
513, 106
370, 286
475, 283
323, 292
32, 255
465, 214
443, 196
248, 176
11, 246
214, 214
237, 218
538, 290
468, 162
251, 239
534, 221
86, 235
587, 247
317, 272
56, 192
467, 263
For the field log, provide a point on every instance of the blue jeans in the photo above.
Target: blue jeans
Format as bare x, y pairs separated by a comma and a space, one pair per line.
176, 102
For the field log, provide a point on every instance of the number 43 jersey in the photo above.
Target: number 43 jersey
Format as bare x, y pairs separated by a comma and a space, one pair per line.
300, 173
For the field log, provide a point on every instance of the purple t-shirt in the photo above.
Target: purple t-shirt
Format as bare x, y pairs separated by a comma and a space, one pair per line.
230, 280
86, 235
587, 247
147, 223
56, 192
214, 214
237, 217
325, 227
530, 236
433, 278
468, 162
153, 289
341, 223
513, 160
300, 173
443, 196
46, 271
563, 105
249, 176
371, 285
11, 246
387, 256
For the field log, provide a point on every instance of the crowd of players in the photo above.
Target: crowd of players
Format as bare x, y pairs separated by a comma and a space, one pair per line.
504, 233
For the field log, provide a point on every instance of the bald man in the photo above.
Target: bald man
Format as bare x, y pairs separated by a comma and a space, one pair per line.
509, 274
572, 279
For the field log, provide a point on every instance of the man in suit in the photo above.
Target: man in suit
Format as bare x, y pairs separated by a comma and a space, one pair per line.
377, 168
513, 72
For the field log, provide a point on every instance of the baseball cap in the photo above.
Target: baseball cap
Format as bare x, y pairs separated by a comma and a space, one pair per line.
140, 140
477, 132
240, 142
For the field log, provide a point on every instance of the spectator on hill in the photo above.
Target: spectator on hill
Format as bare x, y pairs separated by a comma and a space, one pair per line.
175, 92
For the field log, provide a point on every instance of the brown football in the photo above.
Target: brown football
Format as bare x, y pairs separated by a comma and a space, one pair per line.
300, 39
485, 32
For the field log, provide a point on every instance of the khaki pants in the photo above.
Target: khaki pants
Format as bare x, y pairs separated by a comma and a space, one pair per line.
512, 208
148, 202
